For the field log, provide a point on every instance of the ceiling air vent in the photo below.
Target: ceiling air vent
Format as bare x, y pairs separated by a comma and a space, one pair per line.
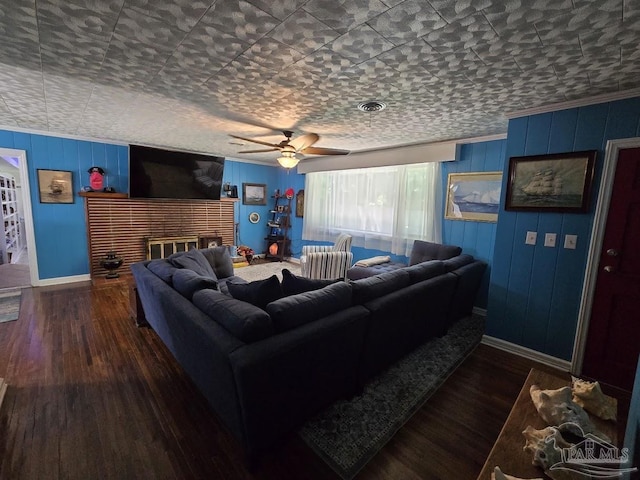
373, 106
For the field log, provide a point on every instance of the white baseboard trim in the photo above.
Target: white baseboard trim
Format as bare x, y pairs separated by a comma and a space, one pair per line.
479, 311
62, 280
525, 352
3, 390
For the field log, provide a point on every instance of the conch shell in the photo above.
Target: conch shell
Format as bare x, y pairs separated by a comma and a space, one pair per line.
498, 475
556, 407
546, 446
590, 397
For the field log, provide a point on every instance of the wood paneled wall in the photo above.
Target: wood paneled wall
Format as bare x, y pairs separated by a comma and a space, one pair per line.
122, 224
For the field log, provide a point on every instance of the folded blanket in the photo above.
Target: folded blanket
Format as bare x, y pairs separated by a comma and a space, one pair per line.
370, 262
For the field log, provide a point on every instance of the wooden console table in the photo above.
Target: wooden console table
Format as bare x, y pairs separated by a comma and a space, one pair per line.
507, 453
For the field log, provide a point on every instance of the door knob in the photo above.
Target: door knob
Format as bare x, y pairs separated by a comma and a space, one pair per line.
612, 252
608, 269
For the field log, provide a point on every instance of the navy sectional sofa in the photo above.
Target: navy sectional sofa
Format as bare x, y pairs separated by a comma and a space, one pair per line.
265, 371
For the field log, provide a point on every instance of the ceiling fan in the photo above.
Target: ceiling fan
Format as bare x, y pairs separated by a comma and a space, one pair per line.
290, 147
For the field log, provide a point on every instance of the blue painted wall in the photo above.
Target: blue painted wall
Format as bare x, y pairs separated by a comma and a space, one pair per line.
535, 291
60, 231
475, 238
237, 173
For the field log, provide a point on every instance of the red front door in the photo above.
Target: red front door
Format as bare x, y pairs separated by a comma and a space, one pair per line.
613, 340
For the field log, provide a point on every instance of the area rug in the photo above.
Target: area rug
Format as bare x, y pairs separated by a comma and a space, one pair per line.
9, 305
349, 433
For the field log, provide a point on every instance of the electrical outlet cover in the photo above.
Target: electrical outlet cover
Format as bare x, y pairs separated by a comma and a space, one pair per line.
531, 238
549, 239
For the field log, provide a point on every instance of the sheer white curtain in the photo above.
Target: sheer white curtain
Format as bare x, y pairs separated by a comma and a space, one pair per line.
384, 208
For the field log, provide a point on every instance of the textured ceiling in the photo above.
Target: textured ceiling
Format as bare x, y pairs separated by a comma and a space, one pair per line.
187, 73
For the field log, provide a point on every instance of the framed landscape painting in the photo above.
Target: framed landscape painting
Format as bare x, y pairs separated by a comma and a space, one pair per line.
559, 182
473, 196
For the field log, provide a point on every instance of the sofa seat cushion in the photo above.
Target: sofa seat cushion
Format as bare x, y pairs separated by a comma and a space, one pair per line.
423, 251
425, 270
193, 260
187, 282
454, 263
293, 284
356, 272
258, 293
296, 310
377, 286
220, 259
243, 320
163, 268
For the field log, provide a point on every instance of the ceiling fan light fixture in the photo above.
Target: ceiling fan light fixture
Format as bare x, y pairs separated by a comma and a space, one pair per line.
288, 162
372, 106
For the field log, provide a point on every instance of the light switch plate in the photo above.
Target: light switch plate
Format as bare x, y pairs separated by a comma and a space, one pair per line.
531, 238
570, 241
549, 239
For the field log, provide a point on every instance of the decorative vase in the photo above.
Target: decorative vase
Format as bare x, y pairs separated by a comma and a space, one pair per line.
111, 263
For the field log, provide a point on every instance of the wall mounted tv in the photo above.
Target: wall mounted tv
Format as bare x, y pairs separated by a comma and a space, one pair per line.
158, 173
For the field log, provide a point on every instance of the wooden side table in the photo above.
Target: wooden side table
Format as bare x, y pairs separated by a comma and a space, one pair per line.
135, 307
507, 453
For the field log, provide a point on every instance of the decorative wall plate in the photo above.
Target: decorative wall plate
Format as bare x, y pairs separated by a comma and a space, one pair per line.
254, 217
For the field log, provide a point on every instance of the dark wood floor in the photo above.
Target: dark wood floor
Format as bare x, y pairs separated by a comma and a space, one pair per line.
91, 396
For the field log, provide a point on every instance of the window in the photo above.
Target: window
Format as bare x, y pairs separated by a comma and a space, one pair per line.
384, 208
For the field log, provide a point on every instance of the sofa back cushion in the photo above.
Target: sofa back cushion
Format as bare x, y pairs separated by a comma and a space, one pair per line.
163, 268
425, 270
245, 321
423, 251
258, 293
293, 284
220, 259
377, 286
193, 260
187, 282
296, 310
454, 263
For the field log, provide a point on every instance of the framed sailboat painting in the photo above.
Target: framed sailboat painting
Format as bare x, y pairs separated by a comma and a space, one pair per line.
473, 196
560, 182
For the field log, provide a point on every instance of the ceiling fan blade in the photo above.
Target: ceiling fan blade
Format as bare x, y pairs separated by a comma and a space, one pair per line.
324, 151
257, 141
304, 141
260, 151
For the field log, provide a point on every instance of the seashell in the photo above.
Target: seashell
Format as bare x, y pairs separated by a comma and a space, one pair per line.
589, 396
498, 475
546, 446
556, 407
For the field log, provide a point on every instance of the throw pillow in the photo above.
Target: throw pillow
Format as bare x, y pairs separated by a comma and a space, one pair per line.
163, 269
296, 310
243, 320
193, 260
258, 293
187, 282
292, 284
220, 259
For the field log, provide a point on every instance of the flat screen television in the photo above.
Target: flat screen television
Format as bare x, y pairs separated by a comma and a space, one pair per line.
158, 173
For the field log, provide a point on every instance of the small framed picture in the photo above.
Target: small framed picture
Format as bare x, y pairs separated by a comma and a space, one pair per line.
55, 186
254, 194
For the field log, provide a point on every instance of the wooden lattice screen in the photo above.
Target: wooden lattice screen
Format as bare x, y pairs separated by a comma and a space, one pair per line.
123, 225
